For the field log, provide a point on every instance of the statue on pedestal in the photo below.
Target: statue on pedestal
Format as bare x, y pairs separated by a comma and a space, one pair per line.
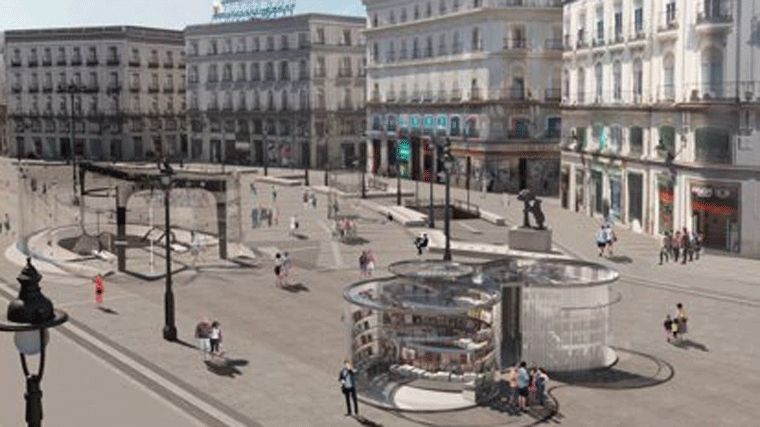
532, 205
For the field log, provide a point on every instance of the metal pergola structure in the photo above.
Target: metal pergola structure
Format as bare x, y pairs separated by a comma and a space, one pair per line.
245, 10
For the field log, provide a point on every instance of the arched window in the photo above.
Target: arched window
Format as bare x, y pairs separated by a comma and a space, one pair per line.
712, 73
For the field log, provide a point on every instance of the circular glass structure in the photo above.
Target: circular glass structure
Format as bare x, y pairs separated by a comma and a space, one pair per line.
426, 339
555, 313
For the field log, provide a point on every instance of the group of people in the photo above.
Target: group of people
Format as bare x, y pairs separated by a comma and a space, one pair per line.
209, 335
675, 326
681, 245
366, 263
526, 386
309, 199
282, 266
605, 238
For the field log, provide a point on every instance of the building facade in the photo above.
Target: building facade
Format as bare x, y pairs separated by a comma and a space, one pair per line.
292, 87
3, 100
661, 116
484, 73
117, 92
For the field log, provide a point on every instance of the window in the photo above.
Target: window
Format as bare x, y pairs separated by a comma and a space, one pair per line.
346, 39
255, 72
668, 74
241, 45
713, 145
428, 10
416, 12
667, 140
376, 52
442, 7
256, 45
600, 26
599, 81
403, 15
269, 72
227, 73
455, 6
284, 71
213, 77
391, 18
618, 23
635, 141
321, 35
228, 46
581, 85
415, 48
616, 138
712, 73
477, 42
320, 70
270, 43
638, 19
566, 84
617, 81
402, 53
303, 74
284, 42
213, 48
638, 80
429, 48
284, 100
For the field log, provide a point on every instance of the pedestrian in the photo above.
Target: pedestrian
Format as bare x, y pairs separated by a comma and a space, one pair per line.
523, 382
195, 247
682, 317
674, 329
286, 264
278, 269
348, 386
215, 338
253, 190
611, 239
305, 199
313, 201
421, 242
202, 332
666, 247
370, 263
540, 380
684, 245
668, 325
293, 226
99, 289
363, 264
677, 245
601, 239
513, 389
7, 223
532, 397
692, 245
274, 194
697, 244
269, 218
254, 218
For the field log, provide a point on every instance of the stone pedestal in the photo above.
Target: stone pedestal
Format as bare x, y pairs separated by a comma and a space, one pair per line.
528, 239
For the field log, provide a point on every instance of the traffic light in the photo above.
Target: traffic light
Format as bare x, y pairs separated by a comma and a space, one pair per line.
447, 148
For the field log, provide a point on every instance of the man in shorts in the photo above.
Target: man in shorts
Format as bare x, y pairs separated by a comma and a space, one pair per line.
523, 382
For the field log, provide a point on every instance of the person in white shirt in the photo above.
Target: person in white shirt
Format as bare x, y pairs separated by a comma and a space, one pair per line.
215, 336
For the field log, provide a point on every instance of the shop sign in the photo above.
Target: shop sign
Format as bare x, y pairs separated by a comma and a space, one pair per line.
707, 192
415, 122
442, 121
428, 121
403, 150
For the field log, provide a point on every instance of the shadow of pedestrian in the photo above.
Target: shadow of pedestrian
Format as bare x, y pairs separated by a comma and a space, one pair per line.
222, 367
620, 259
687, 344
366, 422
300, 236
185, 344
296, 288
108, 310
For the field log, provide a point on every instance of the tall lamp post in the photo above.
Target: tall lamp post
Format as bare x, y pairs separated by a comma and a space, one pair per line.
170, 329
431, 213
448, 163
29, 317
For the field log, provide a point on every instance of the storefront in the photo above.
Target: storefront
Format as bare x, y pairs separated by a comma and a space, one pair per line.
579, 190
616, 195
665, 198
715, 214
635, 198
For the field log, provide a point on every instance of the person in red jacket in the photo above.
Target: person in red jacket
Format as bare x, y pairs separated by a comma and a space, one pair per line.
99, 289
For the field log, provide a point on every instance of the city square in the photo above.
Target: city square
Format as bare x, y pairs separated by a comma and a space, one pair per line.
243, 220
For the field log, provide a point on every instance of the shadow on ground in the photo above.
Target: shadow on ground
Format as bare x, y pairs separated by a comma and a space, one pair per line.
296, 288
225, 367
687, 344
366, 422
354, 241
108, 310
638, 371
620, 259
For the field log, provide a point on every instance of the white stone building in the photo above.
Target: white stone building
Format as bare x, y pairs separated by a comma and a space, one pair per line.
485, 73
3, 100
122, 87
678, 75
293, 85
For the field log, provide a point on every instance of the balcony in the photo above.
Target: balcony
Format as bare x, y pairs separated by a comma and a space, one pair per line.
134, 62
168, 65
427, 96
552, 94
719, 92
344, 73
34, 89
553, 45
714, 16
515, 44
476, 94
76, 62
581, 44
402, 97
135, 88
153, 89
47, 89
456, 95
390, 96
113, 88
303, 76
33, 63
153, 63
375, 97
47, 62
16, 88
168, 89
61, 62
92, 62
227, 107
181, 89
92, 88
112, 62
16, 62
416, 96
597, 42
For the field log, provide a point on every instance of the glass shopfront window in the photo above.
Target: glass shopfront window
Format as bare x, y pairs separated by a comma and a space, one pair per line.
635, 198
665, 194
616, 199
715, 215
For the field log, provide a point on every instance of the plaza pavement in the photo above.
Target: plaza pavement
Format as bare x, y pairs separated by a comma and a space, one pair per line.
288, 345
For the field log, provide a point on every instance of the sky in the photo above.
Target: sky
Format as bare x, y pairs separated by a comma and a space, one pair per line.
173, 14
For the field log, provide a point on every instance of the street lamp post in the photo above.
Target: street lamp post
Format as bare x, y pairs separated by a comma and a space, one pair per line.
431, 213
448, 165
170, 329
29, 316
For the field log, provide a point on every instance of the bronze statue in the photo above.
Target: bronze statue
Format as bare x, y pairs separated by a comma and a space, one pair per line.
532, 205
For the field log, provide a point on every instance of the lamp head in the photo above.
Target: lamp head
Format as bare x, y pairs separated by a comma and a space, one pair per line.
31, 306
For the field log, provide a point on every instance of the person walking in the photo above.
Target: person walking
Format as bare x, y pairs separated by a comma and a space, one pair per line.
523, 382
363, 264
313, 201
666, 247
286, 264
684, 245
668, 325
293, 226
195, 247
215, 338
611, 239
421, 242
348, 386
278, 269
305, 199
514, 391
274, 194
540, 379
202, 332
601, 239
100, 289
370, 263
682, 317
677, 245
697, 244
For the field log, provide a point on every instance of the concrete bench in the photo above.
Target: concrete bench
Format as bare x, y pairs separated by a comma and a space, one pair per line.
492, 218
291, 182
408, 217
